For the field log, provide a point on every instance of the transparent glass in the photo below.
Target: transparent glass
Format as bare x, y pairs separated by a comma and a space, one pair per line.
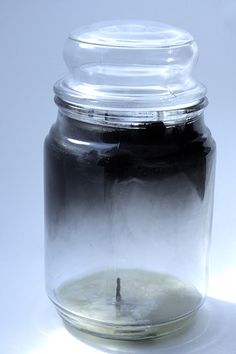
129, 180
146, 65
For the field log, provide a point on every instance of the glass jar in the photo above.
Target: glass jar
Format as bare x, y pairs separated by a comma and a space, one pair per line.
129, 180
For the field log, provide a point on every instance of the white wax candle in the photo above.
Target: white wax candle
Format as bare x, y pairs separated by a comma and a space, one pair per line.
146, 298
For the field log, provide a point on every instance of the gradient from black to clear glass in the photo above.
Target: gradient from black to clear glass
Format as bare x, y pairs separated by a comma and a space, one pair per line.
133, 197
152, 152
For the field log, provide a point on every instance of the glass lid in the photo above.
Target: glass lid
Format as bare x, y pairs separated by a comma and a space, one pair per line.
130, 65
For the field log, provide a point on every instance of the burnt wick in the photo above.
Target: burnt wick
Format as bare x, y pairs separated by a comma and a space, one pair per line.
118, 290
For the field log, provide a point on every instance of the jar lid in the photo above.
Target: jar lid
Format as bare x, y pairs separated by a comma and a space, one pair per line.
134, 65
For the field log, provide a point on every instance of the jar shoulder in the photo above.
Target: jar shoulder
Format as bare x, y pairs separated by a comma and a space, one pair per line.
154, 141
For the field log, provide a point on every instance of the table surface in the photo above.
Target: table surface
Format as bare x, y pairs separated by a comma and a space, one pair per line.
30, 324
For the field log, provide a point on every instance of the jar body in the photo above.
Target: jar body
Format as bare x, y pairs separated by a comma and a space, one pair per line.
128, 220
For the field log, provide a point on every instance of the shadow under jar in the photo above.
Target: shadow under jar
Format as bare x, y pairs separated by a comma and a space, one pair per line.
128, 208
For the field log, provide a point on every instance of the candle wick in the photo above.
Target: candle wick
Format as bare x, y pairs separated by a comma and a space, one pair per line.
118, 290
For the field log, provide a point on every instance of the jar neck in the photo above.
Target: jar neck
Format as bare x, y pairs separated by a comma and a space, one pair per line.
79, 133
131, 119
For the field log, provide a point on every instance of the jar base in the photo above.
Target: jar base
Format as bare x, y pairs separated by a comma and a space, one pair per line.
138, 304
76, 323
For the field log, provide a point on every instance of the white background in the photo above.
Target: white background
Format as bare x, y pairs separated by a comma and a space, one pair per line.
31, 37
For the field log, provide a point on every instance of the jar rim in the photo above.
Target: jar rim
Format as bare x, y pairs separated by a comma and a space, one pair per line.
131, 118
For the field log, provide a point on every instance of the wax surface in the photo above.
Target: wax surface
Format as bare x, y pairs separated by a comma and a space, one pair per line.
146, 297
